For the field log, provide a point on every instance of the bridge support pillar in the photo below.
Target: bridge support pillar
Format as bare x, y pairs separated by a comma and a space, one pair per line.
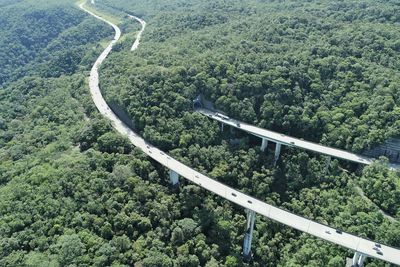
327, 164
277, 152
358, 259
222, 127
264, 144
251, 216
173, 178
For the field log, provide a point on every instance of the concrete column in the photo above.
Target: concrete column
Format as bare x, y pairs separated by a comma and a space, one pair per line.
358, 259
327, 164
173, 177
277, 152
361, 260
355, 259
264, 144
222, 127
251, 216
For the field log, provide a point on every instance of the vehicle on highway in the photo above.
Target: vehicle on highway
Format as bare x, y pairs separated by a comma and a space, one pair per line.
221, 116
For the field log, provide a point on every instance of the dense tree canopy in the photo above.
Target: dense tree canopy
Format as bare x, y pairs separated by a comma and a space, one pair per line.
325, 72
45, 38
75, 193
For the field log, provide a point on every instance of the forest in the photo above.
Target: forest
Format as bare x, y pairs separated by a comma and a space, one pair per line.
75, 193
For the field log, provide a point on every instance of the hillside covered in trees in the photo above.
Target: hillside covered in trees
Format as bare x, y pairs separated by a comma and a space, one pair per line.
75, 193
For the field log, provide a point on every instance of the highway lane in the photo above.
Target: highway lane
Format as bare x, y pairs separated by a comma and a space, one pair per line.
288, 140
346, 240
139, 34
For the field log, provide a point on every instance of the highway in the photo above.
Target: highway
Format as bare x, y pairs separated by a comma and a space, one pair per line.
288, 140
139, 34
343, 239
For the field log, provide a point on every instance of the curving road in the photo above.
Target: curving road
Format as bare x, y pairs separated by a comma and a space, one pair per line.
361, 193
288, 140
346, 240
139, 34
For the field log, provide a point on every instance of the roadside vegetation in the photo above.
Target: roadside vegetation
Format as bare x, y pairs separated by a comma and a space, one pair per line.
75, 193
